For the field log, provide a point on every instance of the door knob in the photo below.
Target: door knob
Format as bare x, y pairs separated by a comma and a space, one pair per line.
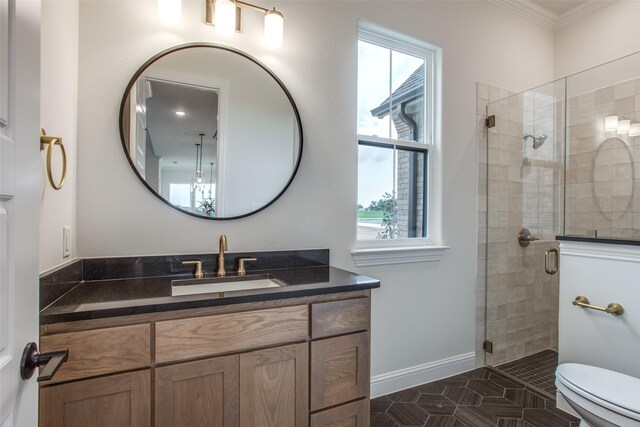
525, 237
33, 359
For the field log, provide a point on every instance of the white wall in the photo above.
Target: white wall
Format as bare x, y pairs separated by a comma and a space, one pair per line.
424, 312
585, 267
608, 34
58, 116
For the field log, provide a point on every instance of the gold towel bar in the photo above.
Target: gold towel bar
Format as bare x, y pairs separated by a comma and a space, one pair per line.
47, 142
613, 308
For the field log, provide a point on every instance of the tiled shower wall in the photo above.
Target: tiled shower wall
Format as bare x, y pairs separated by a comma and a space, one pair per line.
518, 187
603, 168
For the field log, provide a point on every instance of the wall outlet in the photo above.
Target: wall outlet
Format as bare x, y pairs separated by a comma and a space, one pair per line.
66, 242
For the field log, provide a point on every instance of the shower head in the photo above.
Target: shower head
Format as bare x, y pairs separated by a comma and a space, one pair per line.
538, 141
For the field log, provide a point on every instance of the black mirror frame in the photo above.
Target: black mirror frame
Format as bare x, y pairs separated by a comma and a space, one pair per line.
228, 49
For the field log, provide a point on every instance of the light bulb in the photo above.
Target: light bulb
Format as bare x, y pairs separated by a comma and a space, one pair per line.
611, 123
225, 17
623, 126
170, 10
273, 28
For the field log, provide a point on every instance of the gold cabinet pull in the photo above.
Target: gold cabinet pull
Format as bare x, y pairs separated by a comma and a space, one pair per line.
47, 142
547, 261
613, 308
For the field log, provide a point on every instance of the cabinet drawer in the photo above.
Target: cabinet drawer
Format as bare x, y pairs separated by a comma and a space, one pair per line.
354, 414
210, 335
339, 317
339, 370
100, 351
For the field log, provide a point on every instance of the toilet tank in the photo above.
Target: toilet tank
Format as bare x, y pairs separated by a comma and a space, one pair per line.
604, 273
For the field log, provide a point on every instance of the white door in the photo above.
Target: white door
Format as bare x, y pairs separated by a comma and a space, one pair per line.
19, 204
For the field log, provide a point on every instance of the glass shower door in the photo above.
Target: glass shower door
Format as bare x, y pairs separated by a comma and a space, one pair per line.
525, 178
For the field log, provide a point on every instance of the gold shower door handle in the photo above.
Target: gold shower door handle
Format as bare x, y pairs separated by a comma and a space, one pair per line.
547, 261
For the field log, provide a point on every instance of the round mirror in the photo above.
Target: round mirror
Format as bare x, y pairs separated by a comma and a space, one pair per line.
211, 131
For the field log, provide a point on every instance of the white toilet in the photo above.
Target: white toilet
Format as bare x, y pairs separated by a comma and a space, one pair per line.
601, 397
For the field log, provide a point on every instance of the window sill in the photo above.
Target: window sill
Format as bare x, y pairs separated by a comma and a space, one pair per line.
371, 256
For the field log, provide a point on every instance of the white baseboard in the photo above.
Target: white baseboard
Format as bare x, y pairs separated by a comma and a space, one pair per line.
409, 377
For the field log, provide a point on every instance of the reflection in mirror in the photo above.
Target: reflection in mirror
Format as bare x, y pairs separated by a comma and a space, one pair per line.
211, 131
613, 179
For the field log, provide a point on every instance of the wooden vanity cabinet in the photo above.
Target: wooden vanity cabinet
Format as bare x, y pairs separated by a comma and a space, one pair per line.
274, 387
354, 414
285, 363
200, 393
121, 400
260, 388
340, 371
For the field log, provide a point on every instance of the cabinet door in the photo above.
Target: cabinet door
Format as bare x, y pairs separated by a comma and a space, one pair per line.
274, 387
201, 393
339, 370
354, 414
113, 401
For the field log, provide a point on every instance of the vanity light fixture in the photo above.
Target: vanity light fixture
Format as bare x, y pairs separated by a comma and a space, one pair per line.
226, 16
623, 126
170, 10
180, 113
611, 123
273, 28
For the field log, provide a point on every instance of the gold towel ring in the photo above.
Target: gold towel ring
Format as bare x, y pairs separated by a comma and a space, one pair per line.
48, 142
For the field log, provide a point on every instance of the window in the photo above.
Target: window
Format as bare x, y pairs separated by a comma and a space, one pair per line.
396, 110
398, 159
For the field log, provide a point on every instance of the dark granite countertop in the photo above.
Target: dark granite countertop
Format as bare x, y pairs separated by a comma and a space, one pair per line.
601, 240
93, 299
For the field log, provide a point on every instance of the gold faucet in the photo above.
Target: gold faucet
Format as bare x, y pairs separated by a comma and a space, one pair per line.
222, 248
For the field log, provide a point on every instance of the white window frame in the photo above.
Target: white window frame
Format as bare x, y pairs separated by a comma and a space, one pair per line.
416, 249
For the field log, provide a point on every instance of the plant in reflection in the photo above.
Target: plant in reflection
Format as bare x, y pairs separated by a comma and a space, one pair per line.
207, 207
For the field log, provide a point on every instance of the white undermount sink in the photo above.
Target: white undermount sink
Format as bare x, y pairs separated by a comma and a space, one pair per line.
224, 284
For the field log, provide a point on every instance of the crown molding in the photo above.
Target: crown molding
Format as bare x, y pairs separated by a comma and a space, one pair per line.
538, 14
584, 9
531, 11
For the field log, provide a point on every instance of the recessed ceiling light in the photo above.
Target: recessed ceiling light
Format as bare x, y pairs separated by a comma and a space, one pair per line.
180, 113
